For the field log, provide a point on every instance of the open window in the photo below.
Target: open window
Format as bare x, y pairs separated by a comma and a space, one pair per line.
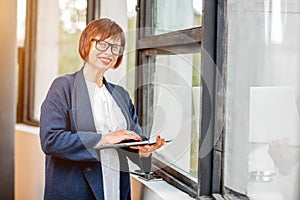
50, 49
177, 81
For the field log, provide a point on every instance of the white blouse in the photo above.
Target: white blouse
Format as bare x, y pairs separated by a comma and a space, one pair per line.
108, 117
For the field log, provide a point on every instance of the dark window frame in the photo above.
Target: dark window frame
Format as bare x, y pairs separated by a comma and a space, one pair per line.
210, 38
26, 62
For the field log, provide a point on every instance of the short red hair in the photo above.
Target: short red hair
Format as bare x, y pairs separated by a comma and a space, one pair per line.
103, 28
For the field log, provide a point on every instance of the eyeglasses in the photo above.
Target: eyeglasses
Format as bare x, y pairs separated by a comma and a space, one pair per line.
102, 45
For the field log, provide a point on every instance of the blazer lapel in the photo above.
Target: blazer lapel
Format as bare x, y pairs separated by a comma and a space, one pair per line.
81, 103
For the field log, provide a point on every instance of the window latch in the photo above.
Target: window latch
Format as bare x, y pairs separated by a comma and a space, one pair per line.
149, 176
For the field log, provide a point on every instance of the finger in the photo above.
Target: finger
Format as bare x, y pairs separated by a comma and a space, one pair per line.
143, 149
160, 140
140, 148
146, 147
129, 132
132, 135
134, 147
159, 143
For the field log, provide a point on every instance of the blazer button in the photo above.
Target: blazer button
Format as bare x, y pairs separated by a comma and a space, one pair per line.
88, 169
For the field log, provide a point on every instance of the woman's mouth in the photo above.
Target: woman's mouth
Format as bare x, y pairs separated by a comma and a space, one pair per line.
105, 60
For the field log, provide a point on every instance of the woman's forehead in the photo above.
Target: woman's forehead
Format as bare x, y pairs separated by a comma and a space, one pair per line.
114, 39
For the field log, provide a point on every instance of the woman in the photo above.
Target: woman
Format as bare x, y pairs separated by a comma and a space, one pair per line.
83, 111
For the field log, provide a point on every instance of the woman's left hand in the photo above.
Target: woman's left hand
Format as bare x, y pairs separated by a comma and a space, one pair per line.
146, 150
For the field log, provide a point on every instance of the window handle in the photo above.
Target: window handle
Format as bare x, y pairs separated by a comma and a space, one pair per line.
148, 176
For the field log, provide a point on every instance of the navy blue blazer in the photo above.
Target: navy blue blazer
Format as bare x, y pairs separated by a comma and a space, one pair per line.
68, 135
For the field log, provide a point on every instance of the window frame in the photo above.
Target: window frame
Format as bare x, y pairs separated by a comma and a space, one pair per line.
26, 63
210, 36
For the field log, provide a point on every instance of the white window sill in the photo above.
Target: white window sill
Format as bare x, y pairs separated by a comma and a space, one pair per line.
27, 129
155, 190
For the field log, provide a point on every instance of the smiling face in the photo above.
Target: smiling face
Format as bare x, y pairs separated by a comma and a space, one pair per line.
100, 29
102, 61
99, 60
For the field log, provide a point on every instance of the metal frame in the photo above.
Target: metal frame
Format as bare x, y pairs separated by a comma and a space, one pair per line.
205, 166
213, 79
93, 10
143, 29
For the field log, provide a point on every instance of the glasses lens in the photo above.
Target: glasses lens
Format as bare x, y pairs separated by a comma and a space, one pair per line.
102, 46
116, 50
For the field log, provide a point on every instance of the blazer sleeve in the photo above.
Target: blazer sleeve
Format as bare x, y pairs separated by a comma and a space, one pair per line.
56, 118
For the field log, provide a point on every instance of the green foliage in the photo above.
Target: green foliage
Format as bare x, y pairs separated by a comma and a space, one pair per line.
72, 20
196, 70
69, 59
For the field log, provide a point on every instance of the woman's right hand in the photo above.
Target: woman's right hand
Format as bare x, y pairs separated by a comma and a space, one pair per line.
119, 136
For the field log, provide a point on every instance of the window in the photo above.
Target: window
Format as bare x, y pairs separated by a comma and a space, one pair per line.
262, 101
52, 33
175, 108
166, 18
21, 19
176, 87
52, 50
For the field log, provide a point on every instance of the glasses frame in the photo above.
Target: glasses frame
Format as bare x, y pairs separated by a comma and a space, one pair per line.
109, 45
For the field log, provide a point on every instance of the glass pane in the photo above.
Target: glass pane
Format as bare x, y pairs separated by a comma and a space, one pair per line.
72, 20
171, 15
59, 25
176, 109
131, 47
57, 43
263, 99
21, 22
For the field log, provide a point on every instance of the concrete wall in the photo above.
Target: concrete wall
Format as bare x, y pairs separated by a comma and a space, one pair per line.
8, 52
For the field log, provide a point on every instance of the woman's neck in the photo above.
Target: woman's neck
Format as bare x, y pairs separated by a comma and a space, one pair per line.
93, 74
